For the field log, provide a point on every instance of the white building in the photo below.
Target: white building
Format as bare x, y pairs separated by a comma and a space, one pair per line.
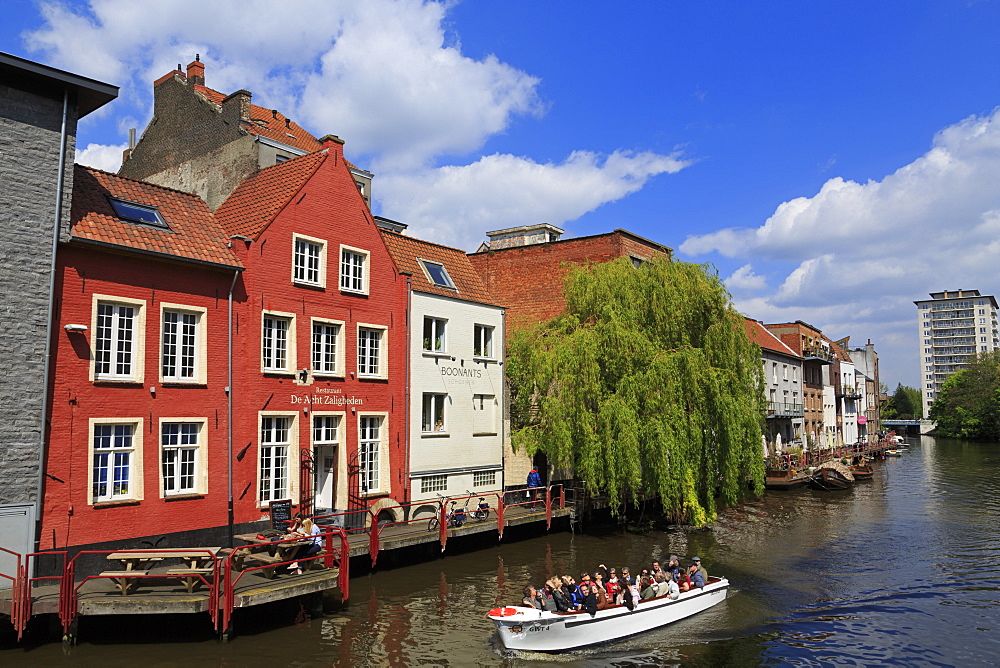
456, 383
953, 327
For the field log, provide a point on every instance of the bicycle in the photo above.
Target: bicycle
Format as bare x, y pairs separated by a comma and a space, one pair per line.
482, 510
455, 518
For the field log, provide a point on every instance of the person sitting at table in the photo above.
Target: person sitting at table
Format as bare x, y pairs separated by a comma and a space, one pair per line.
315, 544
295, 528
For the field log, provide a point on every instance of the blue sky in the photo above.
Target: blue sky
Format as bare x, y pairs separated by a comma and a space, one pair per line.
834, 161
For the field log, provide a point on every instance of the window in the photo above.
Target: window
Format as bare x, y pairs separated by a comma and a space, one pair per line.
434, 341
353, 270
484, 478
274, 447
181, 351
179, 457
369, 447
437, 274
276, 335
116, 459
784, 372
325, 429
118, 334
433, 413
482, 345
927, 342
137, 213
484, 414
433, 483
309, 261
370, 352
326, 348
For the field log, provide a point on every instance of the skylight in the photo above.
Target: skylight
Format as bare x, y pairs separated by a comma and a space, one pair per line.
137, 213
438, 274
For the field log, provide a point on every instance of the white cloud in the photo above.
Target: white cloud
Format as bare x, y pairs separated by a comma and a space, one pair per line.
455, 205
744, 278
102, 156
862, 252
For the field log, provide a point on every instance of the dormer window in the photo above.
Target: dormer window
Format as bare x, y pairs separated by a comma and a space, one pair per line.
134, 212
437, 274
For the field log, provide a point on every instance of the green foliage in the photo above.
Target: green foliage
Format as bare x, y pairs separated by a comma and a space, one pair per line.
904, 404
647, 385
968, 405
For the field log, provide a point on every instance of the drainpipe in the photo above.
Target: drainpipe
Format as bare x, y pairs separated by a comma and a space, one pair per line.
505, 414
406, 410
229, 407
56, 229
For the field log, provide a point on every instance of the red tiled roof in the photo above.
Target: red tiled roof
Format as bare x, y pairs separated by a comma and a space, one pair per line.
256, 202
406, 251
765, 339
269, 123
193, 233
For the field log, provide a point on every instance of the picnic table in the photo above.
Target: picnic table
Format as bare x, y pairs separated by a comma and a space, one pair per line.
267, 551
135, 563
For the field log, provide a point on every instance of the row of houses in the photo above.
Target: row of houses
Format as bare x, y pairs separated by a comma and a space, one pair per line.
820, 393
223, 323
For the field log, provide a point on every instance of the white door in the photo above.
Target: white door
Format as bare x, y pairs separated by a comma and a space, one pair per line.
326, 467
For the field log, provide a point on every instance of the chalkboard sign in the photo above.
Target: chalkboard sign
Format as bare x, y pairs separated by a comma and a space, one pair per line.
281, 514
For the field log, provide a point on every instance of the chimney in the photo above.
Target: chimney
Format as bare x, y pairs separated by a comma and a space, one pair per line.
333, 145
524, 235
240, 98
196, 71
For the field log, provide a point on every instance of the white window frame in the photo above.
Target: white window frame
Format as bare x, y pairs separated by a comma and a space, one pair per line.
434, 483
484, 415
324, 439
134, 452
433, 410
382, 357
438, 332
198, 371
482, 338
291, 454
348, 281
372, 479
484, 478
338, 343
136, 368
290, 361
200, 447
449, 284
308, 269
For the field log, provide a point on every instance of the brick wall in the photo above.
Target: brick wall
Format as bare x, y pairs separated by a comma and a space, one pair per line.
192, 145
70, 516
529, 280
29, 145
328, 208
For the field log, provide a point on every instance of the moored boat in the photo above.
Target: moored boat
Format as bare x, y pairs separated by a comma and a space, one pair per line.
524, 628
862, 471
831, 476
894, 453
785, 478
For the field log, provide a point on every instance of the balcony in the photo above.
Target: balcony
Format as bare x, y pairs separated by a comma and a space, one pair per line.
778, 409
818, 351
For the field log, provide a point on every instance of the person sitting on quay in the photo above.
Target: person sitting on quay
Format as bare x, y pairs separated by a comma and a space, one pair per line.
311, 530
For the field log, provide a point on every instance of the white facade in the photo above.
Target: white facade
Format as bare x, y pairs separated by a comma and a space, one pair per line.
849, 402
457, 395
952, 328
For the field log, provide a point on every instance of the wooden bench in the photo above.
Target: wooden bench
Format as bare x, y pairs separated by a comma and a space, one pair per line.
192, 580
125, 580
258, 558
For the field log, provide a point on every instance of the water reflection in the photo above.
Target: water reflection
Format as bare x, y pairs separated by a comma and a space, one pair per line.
900, 569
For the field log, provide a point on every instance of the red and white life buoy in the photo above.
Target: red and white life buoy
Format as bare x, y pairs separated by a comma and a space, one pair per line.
502, 612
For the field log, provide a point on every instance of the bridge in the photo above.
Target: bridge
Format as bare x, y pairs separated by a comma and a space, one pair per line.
911, 427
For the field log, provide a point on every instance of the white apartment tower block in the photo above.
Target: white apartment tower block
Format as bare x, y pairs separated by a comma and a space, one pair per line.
953, 327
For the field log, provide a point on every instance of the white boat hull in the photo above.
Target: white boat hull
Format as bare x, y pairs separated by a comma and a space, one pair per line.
538, 631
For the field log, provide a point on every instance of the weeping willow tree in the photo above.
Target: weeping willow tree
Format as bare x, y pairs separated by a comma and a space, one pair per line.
646, 385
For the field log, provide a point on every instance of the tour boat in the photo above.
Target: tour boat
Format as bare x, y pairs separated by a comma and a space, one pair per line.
524, 628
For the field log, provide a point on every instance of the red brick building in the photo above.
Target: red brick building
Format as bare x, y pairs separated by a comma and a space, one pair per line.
321, 341
525, 268
809, 343
138, 420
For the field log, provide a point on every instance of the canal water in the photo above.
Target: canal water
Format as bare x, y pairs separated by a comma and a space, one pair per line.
903, 569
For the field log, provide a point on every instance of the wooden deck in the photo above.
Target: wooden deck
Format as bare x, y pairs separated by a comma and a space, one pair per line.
162, 595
